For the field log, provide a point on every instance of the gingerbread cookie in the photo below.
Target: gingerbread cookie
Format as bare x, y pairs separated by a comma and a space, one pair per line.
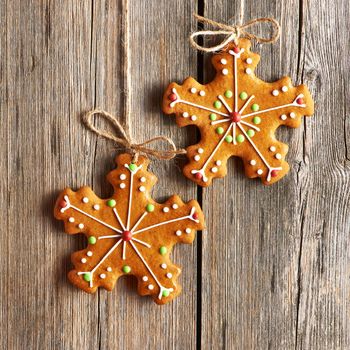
237, 114
128, 233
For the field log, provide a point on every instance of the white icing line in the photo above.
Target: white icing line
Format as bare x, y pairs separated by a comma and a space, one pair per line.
246, 104
118, 218
130, 199
139, 221
225, 104
250, 125
220, 121
92, 217
178, 100
111, 236
259, 154
234, 134
236, 82
167, 222
293, 104
142, 242
149, 270
124, 251
101, 261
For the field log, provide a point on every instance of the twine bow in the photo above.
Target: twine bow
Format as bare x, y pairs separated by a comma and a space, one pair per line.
233, 32
127, 142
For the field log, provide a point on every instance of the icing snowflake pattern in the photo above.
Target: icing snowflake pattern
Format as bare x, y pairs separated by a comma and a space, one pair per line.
128, 233
237, 114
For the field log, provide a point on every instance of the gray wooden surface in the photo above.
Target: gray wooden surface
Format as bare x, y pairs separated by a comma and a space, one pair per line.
272, 269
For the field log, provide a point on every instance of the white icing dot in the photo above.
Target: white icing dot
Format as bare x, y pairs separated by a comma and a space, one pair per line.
259, 171
252, 162
85, 200
249, 60
145, 278
292, 115
143, 179
202, 93
163, 266
109, 269
96, 207
175, 206
150, 286
83, 260
283, 117
278, 156
248, 71
223, 61
166, 209
275, 92
185, 114
284, 88
272, 148
169, 275
193, 90
142, 188
200, 150
122, 185
225, 71
214, 169
178, 233
171, 289
81, 226
188, 230
71, 219
197, 158
193, 117
218, 162
89, 253
103, 275
122, 177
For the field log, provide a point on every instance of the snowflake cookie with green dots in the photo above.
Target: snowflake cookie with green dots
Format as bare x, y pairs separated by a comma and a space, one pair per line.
128, 233
237, 115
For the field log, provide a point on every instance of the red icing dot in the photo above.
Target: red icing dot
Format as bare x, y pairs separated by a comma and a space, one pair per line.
274, 173
198, 176
127, 236
172, 97
236, 49
300, 101
62, 203
195, 216
235, 117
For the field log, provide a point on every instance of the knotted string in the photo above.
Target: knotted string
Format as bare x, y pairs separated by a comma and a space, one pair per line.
233, 32
127, 142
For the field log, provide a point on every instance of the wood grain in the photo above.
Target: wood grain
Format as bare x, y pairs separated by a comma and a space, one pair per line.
272, 269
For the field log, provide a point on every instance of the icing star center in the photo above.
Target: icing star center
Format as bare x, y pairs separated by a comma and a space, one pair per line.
127, 236
235, 117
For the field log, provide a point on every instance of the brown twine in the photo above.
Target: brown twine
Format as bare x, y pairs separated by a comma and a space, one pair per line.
126, 140
233, 32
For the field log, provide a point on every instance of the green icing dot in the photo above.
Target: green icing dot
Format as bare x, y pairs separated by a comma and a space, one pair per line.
229, 138
212, 116
228, 93
217, 104
132, 166
163, 250
255, 107
87, 277
166, 293
240, 138
250, 132
243, 95
111, 203
92, 240
220, 130
126, 269
149, 207
256, 120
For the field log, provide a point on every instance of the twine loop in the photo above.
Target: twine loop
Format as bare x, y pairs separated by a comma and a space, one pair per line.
127, 142
233, 32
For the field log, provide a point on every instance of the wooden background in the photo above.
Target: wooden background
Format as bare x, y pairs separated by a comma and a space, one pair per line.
272, 269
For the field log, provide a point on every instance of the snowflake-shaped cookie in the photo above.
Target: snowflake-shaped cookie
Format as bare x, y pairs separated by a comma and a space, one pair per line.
128, 233
237, 114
